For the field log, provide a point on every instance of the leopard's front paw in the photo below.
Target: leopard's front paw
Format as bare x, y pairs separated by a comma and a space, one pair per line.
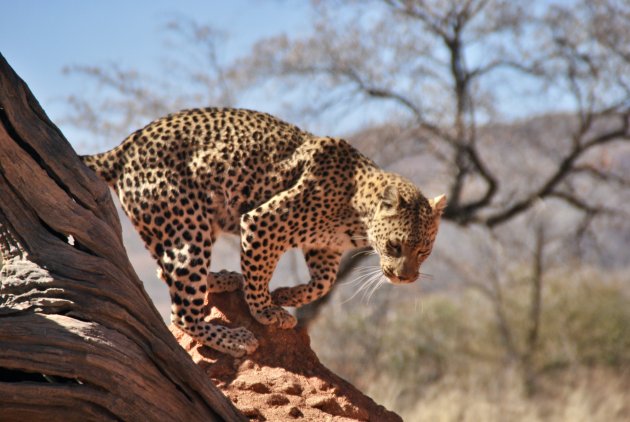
283, 296
275, 315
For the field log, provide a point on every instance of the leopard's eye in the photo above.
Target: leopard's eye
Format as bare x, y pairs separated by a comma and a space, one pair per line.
393, 248
423, 254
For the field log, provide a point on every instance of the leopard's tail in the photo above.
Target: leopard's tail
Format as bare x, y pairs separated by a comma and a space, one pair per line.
109, 165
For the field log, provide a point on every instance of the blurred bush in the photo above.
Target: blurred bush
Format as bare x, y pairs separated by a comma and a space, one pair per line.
586, 321
405, 352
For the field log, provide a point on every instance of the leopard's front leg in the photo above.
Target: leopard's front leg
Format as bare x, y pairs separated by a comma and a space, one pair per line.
322, 265
264, 238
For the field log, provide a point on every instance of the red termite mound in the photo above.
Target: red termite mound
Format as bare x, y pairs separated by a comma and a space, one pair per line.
283, 379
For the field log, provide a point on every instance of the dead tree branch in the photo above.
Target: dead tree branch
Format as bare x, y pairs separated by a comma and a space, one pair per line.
79, 337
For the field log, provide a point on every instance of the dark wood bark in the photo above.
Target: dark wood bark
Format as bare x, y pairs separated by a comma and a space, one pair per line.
79, 337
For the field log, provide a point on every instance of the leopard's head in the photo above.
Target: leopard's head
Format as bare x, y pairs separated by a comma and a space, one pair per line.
403, 230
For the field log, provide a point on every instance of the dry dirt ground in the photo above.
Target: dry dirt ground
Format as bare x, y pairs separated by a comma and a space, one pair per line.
283, 380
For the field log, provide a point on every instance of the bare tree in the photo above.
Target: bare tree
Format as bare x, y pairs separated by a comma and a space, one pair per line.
442, 63
514, 261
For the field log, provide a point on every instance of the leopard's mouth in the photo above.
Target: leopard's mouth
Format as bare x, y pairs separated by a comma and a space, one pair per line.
394, 278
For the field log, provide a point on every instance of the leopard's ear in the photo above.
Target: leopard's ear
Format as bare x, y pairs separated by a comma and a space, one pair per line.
390, 199
438, 204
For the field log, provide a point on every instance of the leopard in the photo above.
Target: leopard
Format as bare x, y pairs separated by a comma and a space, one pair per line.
189, 177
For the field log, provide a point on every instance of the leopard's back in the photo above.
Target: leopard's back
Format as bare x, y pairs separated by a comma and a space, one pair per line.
230, 159
198, 140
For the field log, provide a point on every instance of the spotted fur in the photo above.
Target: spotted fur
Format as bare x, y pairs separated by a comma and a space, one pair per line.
188, 177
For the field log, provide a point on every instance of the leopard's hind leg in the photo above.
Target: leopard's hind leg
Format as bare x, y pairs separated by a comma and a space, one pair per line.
179, 237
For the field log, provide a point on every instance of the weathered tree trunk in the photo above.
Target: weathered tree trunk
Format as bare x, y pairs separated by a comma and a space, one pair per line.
79, 337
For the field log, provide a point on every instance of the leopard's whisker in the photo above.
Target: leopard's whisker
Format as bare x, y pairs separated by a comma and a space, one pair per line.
360, 253
366, 253
365, 278
366, 273
368, 268
358, 279
367, 287
378, 283
361, 287
371, 280
374, 280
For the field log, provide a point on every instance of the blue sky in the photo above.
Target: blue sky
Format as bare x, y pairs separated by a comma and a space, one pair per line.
39, 38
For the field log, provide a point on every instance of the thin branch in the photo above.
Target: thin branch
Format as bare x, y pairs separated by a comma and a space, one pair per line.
601, 175
465, 213
535, 309
422, 14
565, 167
379, 93
582, 205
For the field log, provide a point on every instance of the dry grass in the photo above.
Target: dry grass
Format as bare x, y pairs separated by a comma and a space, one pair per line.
445, 360
588, 395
